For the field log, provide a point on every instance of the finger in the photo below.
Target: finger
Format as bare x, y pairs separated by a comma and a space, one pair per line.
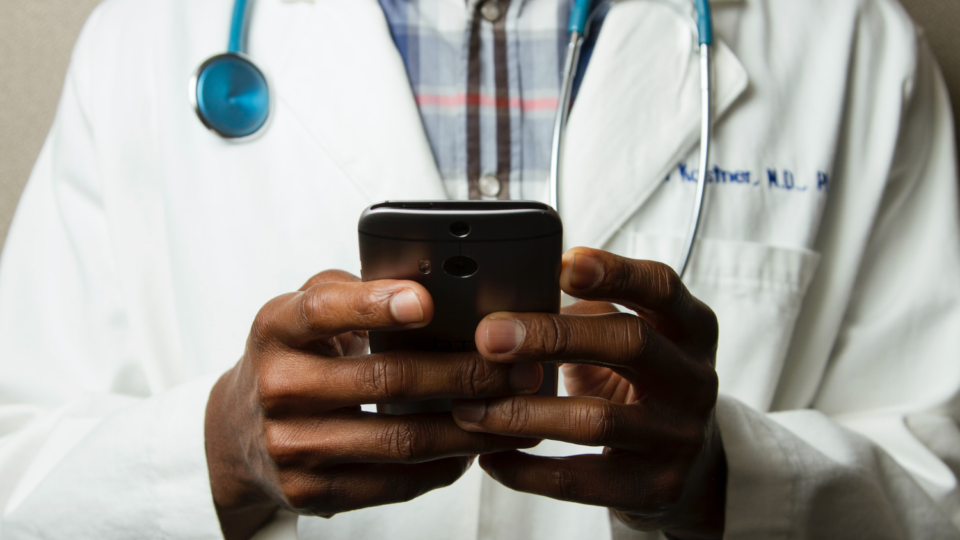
586, 421
622, 483
330, 276
300, 384
356, 486
587, 307
623, 342
377, 438
349, 344
328, 309
652, 289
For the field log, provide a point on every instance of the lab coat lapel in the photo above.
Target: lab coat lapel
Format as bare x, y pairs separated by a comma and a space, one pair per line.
346, 83
636, 116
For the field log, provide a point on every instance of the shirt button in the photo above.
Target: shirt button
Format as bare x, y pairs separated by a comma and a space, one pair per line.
490, 185
491, 10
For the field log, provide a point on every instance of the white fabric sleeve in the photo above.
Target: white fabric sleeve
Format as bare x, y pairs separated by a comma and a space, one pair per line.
877, 454
88, 447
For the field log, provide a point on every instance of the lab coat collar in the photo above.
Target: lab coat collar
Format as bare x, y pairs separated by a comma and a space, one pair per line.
636, 115
346, 83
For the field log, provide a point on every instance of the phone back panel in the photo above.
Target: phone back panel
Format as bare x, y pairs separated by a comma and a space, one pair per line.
512, 253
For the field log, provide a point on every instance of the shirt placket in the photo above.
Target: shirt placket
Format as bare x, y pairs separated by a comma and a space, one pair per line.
488, 101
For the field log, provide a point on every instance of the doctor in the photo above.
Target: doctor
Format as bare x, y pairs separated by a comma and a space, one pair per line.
823, 296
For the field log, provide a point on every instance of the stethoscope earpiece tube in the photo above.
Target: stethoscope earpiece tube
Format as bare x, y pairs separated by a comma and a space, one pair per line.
579, 16
704, 22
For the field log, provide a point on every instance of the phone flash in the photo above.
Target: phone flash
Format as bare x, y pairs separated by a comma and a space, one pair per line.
425, 267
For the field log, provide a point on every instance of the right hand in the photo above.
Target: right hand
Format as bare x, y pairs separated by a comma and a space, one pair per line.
284, 428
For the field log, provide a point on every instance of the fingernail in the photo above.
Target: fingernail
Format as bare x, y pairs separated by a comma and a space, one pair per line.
405, 307
585, 272
504, 335
525, 377
470, 411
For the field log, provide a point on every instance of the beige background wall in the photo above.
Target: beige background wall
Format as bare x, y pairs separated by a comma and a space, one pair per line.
36, 37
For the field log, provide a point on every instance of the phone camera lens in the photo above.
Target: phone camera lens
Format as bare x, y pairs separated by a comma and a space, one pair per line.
460, 229
460, 266
425, 267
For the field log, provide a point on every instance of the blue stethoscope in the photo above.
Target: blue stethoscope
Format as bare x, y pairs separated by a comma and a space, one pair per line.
229, 92
232, 97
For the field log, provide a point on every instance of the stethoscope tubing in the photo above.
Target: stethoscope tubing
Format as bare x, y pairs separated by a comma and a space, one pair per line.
706, 133
563, 114
239, 22
579, 25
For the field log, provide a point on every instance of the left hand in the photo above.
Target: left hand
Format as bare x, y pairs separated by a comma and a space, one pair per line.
643, 386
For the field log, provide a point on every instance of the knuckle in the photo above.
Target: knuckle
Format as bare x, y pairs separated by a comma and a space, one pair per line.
264, 323
406, 488
328, 276
596, 424
671, 485
404, 441
467, 373
560, 329
442, 473
640, 338
516, 412
304, 495
274, 389
298, 498
260, 331
312, 305
553, 334
453, 472
369, 305
385, 377
623, 275
480, 378
670, 288
364, 305
322, 277
279, 445
565, 483
297, 501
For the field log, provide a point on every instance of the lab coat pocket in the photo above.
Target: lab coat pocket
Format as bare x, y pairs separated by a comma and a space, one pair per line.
756, 290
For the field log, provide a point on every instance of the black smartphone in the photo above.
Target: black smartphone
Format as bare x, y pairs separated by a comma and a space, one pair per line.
475, 258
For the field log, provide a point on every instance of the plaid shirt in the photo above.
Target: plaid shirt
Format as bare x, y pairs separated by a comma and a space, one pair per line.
487, 90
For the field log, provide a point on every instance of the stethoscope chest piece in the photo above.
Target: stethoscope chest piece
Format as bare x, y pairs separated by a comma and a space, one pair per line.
231, 96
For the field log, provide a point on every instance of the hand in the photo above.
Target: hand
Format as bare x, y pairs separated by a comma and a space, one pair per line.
643, 386
284, 427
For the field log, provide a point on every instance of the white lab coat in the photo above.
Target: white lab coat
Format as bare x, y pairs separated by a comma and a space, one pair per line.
144, 245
